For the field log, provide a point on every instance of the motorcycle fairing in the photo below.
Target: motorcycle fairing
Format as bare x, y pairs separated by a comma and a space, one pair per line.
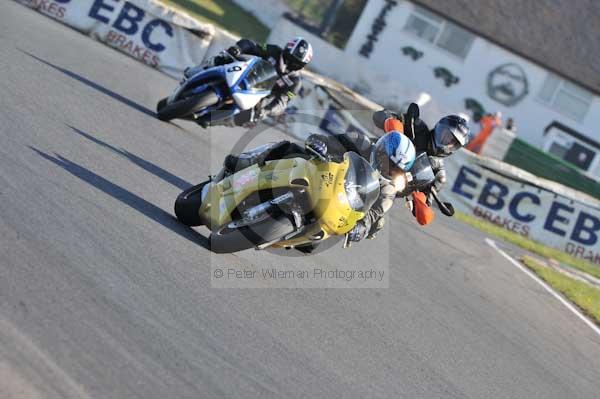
233, 74
323, 182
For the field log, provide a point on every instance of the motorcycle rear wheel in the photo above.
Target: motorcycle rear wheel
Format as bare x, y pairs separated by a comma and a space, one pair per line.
187, 106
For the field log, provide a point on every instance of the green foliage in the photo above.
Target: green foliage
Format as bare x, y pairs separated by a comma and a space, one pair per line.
345, 21
314, 12
582, 294
311, 10
225, 14
530, 245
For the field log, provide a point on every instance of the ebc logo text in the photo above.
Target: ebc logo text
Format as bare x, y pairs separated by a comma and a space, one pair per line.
525, 207
48, 7
129, 21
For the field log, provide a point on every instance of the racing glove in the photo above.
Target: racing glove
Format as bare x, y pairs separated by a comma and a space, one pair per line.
315, 143
440, 172
358, 232
234, 51
440, 180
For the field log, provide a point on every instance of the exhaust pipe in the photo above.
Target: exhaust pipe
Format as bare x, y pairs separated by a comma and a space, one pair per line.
261, 211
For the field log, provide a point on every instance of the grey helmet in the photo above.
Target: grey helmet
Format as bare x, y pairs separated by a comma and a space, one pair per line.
448, 135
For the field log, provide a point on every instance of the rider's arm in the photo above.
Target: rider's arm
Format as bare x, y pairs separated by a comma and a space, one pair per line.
250, 47
439, 170
338, 144
382, 205
243, 46
277, 105
369, 224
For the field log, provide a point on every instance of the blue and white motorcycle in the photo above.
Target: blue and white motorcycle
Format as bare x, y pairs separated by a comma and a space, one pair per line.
217, 93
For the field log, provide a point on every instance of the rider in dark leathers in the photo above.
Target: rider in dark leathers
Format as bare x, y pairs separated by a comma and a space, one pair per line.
448, 135
288, 62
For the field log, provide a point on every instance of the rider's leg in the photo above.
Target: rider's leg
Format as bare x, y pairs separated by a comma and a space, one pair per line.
376, 228
243, 117
280, 150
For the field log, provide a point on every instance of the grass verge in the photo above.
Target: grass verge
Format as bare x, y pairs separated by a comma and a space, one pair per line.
585, 296
224, 14
530, 245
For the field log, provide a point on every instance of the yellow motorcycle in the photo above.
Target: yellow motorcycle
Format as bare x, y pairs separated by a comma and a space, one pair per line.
284, 203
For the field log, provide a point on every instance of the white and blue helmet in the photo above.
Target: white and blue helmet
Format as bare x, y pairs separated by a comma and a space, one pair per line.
393, 154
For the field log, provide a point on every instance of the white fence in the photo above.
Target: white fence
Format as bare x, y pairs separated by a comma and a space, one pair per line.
141, 29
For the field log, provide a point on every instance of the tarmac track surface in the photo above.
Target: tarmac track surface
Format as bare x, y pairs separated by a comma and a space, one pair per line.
104, 295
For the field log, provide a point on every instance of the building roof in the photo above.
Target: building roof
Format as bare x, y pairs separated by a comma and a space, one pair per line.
560, 35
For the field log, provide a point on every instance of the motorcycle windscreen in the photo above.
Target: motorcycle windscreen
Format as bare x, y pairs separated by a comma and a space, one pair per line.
361, 183
261, 77
422, 171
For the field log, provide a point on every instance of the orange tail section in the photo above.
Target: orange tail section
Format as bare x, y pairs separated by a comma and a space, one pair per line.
421, 210
393, 124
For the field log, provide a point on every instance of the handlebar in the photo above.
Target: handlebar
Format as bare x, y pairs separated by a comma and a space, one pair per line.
446, 207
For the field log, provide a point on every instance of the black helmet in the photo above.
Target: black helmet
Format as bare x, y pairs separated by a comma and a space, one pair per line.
449, 134
297, 53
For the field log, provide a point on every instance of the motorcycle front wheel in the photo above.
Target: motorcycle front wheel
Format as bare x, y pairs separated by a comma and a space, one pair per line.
187, 205
185, 107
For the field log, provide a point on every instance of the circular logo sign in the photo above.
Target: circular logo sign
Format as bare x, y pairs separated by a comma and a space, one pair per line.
507, 84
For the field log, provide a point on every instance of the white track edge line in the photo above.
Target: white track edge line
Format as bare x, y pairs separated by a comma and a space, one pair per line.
569, 305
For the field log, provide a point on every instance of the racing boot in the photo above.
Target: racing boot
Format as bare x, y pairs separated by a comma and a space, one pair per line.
376, 228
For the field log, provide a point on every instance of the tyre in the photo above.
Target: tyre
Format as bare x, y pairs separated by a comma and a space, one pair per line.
187, 106
234, 240
187, 205
161, 104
